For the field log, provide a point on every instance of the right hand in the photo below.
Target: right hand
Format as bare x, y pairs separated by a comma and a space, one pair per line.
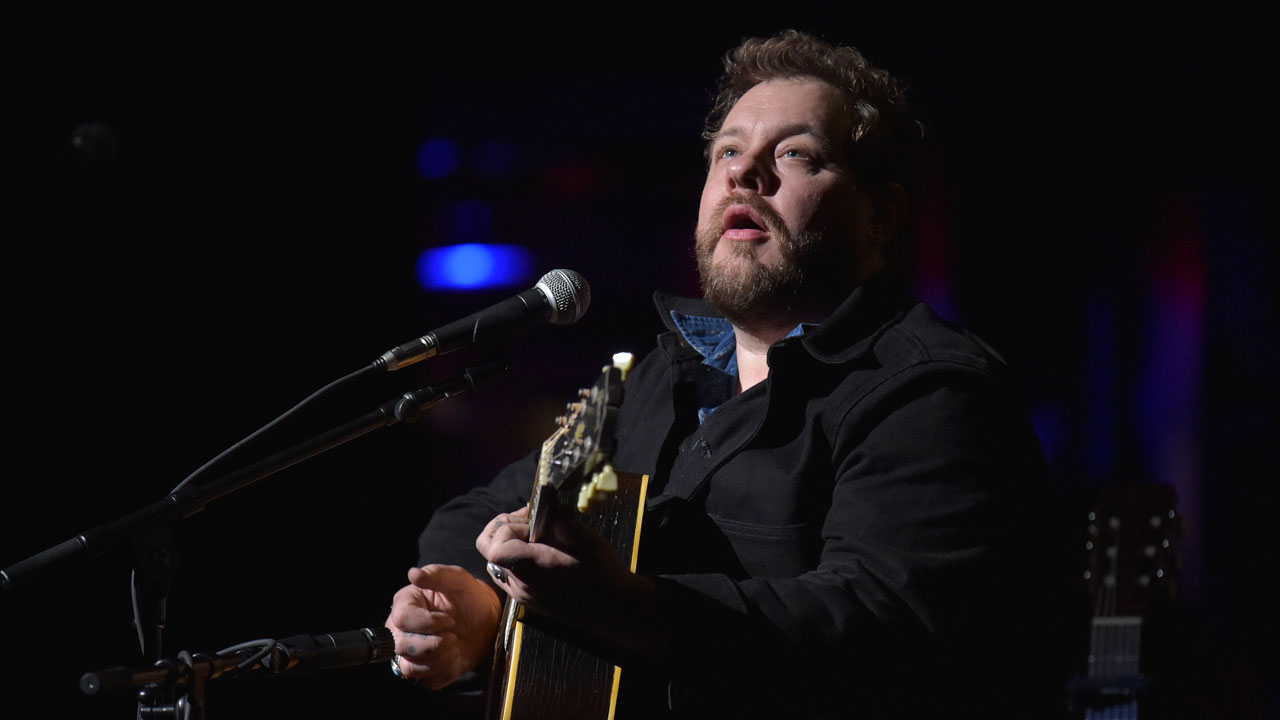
445, 622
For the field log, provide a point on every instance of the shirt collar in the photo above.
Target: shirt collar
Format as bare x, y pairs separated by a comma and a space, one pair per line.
712, 337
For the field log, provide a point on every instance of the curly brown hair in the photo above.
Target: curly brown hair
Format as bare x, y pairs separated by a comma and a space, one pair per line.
887, 141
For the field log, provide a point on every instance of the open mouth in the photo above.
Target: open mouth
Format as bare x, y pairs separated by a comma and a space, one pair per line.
743, 218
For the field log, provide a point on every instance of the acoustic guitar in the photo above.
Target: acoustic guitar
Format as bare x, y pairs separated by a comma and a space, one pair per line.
1131, 534
538, 671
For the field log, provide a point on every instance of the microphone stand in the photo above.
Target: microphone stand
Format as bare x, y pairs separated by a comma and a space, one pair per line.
155, 554
182, 679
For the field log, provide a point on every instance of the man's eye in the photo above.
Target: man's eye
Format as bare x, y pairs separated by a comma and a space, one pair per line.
795, 154
728, 152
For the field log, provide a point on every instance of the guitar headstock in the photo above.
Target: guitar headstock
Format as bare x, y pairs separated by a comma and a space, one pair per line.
575, 463
1131, 534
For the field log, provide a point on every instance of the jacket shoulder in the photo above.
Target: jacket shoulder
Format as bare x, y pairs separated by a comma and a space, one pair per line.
921, 336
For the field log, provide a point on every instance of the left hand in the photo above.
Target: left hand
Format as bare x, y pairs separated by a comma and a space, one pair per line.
444, 622
574, 576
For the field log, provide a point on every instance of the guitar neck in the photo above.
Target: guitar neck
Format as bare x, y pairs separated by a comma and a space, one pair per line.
1115, 646
543, 499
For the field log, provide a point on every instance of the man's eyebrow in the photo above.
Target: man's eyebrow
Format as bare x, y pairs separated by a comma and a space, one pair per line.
791, 131
726, 132
721, 134
786, 131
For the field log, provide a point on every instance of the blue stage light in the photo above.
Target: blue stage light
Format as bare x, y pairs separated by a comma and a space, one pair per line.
473, 266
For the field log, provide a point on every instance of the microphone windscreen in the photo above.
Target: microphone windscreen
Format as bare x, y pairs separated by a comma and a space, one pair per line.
569, 293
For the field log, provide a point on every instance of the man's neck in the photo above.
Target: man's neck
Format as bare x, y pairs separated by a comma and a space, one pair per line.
753, 351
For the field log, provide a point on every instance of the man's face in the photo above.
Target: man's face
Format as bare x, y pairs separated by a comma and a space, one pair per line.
781, 227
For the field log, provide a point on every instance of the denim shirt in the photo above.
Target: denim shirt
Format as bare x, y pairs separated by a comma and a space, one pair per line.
713, 339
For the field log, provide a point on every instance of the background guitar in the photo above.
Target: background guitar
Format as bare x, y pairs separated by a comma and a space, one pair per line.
1130, 571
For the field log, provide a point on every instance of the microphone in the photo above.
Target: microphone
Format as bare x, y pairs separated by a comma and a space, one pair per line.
561, 297
303, 654
300, 654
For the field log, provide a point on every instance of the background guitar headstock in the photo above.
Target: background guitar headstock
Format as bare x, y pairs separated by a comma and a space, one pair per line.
1132, 533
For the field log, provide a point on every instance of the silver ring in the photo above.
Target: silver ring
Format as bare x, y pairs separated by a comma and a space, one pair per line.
395, 667
498, 573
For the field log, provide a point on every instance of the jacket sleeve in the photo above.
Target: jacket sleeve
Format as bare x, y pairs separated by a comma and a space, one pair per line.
450, 535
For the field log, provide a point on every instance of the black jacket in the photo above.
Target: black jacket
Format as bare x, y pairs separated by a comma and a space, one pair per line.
868, 532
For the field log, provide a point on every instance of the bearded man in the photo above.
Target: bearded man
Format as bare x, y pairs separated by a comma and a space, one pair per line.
848, 513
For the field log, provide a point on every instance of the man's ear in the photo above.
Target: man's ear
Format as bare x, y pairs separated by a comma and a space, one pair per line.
888, 213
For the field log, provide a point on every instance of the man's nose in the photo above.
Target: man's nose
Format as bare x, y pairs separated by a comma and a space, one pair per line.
748, 171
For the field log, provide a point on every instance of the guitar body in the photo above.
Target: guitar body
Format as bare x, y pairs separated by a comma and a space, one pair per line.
540, 671
542, 674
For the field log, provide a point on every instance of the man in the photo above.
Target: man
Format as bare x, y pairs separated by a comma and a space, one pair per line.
849, 507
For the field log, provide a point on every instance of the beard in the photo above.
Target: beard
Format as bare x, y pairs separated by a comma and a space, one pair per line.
812, 276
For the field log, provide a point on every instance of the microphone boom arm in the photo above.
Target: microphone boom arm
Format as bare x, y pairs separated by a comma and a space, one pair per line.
191, 499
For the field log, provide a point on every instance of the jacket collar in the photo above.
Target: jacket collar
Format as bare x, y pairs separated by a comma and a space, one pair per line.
846, 334
667, 304
850, 331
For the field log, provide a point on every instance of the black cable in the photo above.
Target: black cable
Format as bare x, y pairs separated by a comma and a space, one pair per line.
350, 377
288, 413
264, 647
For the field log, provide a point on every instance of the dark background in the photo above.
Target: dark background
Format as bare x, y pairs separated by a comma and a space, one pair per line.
243, 230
